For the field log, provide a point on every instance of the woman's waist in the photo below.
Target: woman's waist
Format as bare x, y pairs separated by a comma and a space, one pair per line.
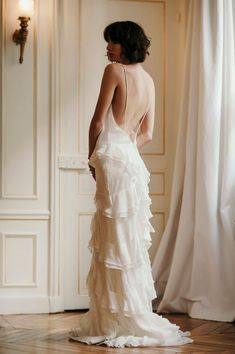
115, 144
116, 137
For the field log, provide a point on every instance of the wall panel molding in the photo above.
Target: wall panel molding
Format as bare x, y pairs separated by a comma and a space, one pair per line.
25, 215
55, 276
25, 161
19, 261
18, 110
157, 184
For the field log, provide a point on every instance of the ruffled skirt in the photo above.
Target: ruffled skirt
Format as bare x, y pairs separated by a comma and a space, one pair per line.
120, 282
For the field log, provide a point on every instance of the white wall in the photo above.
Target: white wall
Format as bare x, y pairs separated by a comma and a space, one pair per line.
25, 162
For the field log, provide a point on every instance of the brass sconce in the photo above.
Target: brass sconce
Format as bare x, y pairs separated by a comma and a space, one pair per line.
20, 35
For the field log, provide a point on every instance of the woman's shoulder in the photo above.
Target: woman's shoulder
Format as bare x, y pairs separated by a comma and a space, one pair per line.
113, 67
113, 71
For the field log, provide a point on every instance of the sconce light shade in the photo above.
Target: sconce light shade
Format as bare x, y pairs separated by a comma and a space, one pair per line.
26, 9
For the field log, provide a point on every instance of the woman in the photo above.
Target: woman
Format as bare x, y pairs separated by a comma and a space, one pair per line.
120, 283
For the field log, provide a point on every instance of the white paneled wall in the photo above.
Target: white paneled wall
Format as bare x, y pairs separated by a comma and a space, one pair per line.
46, 202
25, 162
15, 248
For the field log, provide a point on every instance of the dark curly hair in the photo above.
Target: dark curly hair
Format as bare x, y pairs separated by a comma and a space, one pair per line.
132, 38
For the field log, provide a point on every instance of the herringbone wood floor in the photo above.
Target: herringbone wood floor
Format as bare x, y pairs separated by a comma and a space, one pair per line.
48, 334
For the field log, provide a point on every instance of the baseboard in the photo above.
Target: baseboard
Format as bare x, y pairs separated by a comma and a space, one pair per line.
24, 305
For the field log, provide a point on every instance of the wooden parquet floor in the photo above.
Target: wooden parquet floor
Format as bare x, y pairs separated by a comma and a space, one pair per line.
48, 334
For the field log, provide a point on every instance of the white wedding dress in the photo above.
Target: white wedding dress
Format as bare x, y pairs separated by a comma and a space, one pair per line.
120, 282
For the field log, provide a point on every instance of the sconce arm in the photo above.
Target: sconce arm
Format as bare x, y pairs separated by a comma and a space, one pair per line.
20, 35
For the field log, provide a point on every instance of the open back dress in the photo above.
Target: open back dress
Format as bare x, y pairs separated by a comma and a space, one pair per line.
120, 283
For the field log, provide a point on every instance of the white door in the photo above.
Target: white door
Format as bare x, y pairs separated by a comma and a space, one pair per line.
82, 63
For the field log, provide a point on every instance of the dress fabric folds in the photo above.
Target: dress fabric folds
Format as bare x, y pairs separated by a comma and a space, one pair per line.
120, 282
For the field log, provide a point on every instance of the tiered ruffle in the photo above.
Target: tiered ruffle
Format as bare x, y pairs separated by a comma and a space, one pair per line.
120, 282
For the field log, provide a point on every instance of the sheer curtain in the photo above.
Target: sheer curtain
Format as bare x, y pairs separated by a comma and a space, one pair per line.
194, 267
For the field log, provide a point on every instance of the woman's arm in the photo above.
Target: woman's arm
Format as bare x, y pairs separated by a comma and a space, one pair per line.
107, 89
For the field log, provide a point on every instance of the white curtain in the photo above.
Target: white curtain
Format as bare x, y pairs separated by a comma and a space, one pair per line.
194, 267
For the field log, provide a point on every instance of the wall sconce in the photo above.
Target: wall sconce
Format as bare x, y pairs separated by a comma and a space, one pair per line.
26, 9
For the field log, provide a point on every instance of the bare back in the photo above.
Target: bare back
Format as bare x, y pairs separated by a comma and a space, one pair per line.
133, 97
129, 91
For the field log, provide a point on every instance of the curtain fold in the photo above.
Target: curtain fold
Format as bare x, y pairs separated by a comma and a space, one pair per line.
194, 267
